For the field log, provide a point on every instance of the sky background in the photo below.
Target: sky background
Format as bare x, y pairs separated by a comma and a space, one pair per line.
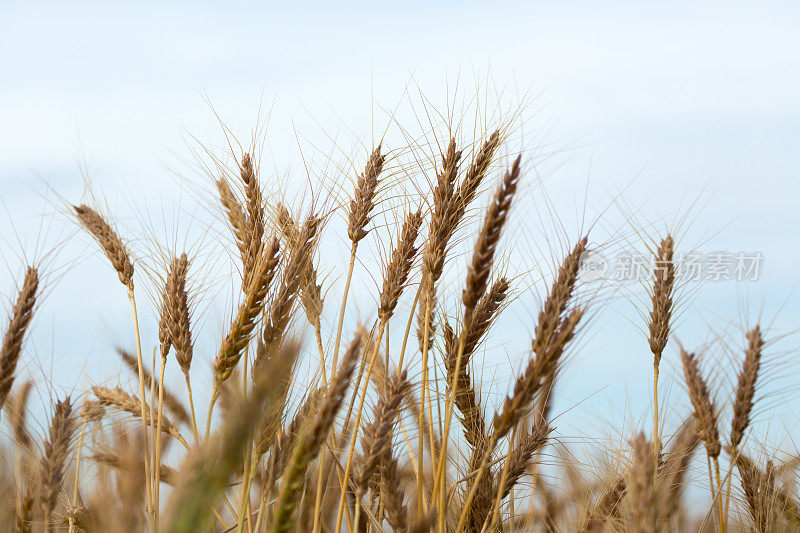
682, 116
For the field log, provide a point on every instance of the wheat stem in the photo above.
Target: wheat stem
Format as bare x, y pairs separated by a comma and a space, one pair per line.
140, 363
350, 454
357, 512
214, 393
250, 469
157, 475
487, 526
321, 471
343, 307
321, 350
245, 501
408, 330
440, 480
77, 474
476, 482
191, 407
722, 522
424, 392
656, 435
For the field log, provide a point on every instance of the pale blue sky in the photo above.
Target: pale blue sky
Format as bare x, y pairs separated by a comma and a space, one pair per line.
667, 102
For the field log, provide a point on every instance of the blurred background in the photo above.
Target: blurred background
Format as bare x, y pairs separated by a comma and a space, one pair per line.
634, 120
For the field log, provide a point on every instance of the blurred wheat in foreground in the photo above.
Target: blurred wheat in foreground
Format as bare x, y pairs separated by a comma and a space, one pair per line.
386, 436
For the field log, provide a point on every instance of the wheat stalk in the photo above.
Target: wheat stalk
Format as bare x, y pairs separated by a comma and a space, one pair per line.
307, 448
120, 259
706, 416
660, 315
475, 286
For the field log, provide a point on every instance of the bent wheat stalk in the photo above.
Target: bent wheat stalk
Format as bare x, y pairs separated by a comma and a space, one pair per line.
475, 287
119, 257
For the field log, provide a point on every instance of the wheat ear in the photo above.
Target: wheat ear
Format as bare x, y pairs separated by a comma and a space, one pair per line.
358, 217
475, 174
745, 391
23, 513
704, 410
21, 315
660, 317
644, 505
467, 399
486, 245
56, 450
706, 416
310, 290
606, 507
763, 495
254, 223
171, 401
109, 241
129, 403
280, 311
376, 437
235, 214
242, 326
675, 466
399, 266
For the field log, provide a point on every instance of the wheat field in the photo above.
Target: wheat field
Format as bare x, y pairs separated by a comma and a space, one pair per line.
313, 421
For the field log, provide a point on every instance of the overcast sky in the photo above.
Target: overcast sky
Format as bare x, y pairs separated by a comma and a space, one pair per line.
664, 104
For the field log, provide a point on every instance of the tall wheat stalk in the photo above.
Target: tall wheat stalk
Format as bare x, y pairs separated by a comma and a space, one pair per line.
120, 259
660, 315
